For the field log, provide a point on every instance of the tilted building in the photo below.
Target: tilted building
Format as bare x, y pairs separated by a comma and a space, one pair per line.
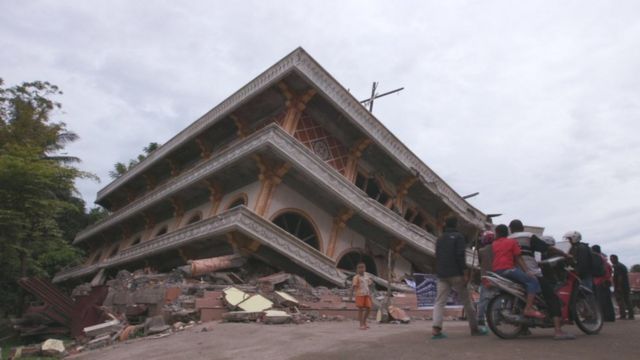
291, 170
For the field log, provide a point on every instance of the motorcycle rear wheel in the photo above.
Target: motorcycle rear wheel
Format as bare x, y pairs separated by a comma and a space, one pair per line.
587, 314
497, 323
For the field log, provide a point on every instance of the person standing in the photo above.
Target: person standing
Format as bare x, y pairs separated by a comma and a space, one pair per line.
602, 286
452, 272
581, 253
361, 284
621, 288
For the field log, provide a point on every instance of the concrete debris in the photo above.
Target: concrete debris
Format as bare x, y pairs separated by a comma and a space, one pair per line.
232, 288
234, 296
106, 327
255, 303
284, 299
155, 325
276, 317
242, 316
214, 264
53, 348
99, 342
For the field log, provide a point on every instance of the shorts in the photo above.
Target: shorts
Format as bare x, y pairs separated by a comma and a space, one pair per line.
363, 302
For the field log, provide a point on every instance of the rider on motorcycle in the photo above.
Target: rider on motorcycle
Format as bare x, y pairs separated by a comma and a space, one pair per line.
506, 254
530, 243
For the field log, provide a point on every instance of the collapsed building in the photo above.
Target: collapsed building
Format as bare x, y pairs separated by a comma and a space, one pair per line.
291, 170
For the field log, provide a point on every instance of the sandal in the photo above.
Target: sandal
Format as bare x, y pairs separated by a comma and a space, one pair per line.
439, 336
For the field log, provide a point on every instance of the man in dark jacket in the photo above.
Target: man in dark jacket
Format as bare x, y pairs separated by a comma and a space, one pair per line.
452, 274
621, 288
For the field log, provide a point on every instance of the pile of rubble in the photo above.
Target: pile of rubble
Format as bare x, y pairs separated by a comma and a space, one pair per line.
145, 303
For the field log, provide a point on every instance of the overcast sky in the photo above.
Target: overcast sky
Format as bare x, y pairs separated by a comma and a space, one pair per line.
534, 104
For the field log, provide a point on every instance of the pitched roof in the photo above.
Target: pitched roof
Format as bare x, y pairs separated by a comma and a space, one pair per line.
303, 64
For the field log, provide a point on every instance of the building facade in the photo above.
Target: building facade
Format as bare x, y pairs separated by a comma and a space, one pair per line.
291, 170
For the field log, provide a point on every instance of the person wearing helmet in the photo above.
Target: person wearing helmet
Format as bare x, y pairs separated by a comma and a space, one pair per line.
581, 252
485, 257
530, 244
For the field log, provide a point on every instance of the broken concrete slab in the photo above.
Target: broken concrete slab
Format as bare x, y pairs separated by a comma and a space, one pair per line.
53, 347
234, 296
284, 299
99, 342
107, 327
242, 316
276, 317
256, 303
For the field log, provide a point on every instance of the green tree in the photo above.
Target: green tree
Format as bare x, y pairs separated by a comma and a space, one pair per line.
40, 211
120, 169
635, 268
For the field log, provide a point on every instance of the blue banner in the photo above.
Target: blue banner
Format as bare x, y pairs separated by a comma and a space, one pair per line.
427, 290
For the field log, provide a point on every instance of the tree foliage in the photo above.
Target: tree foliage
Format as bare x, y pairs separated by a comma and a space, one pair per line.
635, 268
120, 169
40, 211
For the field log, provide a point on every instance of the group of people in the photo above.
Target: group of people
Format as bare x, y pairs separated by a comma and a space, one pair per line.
511, 252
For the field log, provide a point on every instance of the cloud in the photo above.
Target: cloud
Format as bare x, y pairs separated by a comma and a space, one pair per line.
533, 104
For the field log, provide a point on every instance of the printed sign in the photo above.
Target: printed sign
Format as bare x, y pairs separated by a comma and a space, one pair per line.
426, 290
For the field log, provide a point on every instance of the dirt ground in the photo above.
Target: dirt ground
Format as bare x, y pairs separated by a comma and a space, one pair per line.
342, 340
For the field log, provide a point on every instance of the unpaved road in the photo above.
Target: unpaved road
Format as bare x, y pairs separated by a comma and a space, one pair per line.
342, 340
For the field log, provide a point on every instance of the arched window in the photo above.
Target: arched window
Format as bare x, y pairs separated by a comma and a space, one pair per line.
298, 226
372, 187
350, 260
195, 218
238, 201
162, 231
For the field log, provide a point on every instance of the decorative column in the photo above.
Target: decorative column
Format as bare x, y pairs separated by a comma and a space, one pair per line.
205, 148
215, 196
241, 125
339, 223
150, 181
270, 177
126, 233
295, 104
354, 155
403, 189
178, 210
149, 224
175, 169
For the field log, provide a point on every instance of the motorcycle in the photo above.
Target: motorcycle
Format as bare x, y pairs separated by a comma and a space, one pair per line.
578, 303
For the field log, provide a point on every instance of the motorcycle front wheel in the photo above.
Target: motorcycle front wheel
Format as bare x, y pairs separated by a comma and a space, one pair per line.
587, 314
501, 305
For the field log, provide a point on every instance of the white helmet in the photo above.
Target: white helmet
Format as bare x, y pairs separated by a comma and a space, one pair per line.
573, 237
550, 240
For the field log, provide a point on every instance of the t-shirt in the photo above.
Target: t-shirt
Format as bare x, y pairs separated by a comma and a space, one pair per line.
505, 251
361, 284
529, 244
